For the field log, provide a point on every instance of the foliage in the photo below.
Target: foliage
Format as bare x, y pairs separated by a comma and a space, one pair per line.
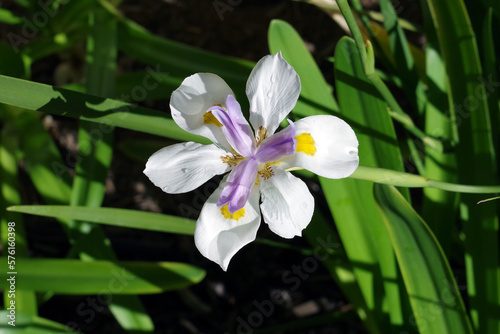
425, 119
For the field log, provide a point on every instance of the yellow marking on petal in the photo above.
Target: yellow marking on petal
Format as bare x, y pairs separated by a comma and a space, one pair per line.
232, 160
234, 216
306, 144
209, 118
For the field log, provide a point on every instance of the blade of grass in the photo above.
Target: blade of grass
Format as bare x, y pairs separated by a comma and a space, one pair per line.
29, 323
11, 64
439, 208
35, 96
44, 164
282, 37
340, 193
6, 16
89, 184
471, 117
75, 277
13, 234
111, 216
365, 236
491, 68
180, 60
426, 272
405, 64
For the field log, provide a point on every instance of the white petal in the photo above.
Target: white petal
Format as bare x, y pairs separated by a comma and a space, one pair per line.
336, 147
184, 167
219, 238
272, 89
287, 205
192, 99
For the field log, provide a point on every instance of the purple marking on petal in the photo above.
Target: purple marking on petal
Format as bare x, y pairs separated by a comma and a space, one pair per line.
278, 145
238, 185
235, 127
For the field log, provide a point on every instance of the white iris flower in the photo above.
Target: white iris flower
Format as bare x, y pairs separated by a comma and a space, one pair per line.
257, 160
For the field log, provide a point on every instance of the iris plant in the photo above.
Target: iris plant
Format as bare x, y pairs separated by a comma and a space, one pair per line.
257, 160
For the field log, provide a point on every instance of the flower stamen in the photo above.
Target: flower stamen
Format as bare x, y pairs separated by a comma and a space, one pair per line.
261, 135
266, 171
232, 160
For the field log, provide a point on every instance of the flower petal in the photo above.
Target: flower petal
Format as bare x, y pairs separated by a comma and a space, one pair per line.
287, 205
326, 145
235, 127
272, 89
219, 235
193, 98
239, 184
184, 167
278, 145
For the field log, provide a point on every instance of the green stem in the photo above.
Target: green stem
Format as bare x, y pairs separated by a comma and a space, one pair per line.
400, 179
353, 26
368, 61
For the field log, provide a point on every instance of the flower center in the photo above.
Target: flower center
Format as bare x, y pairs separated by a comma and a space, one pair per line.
253, 156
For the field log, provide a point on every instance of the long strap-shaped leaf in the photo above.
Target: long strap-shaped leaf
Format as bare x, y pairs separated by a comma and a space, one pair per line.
13, 234
434, 296
439, 208
95, 149
58, 101
284, 38
361, 227
111, 216
67, 276
476, 156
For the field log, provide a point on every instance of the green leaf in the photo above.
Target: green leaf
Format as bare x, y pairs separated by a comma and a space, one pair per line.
426, 272
476, 156
95, 148
6, 16
351, 201
173, 58
11, 224
35, 96
404, 62
141, 150
284, 38
67, 276
439, 208
11, 64
28, 323
44, 164
111, 216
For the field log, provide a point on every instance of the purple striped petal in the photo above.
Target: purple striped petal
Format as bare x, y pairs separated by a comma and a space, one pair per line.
278, 145
235, 127
238, 185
